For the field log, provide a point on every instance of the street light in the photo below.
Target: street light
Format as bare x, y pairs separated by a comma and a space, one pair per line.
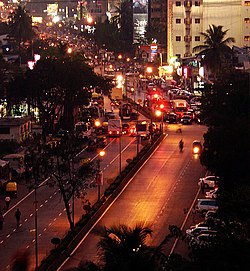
158, 114
99, 175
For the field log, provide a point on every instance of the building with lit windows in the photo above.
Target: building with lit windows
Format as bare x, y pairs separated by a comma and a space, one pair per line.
187, 19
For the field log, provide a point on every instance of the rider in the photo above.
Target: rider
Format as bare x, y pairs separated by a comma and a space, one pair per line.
181, 144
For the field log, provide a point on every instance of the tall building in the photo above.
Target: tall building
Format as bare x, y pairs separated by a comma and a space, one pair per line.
186, 19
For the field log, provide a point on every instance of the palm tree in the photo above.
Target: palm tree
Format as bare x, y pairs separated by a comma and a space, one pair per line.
21, 26
124, 248
215, 49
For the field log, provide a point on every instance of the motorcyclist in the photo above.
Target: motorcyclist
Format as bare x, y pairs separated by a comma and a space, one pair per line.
181, 145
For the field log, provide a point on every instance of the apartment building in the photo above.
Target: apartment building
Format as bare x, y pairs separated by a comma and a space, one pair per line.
186, 19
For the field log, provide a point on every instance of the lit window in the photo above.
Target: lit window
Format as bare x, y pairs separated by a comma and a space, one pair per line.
178, 38
178, 21
197, 20
247, 20
247, 3
246, 38
178, 3
197, 38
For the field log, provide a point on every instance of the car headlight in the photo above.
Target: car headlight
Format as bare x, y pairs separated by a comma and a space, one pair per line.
196, 150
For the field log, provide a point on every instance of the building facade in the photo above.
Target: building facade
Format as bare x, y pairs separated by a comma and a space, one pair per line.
186, 19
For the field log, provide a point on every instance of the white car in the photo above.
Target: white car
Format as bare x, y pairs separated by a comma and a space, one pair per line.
204, 205
209, 181
195, 231
212, 194
203, 239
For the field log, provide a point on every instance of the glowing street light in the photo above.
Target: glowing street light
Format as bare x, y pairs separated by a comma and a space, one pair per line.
99, 175
158, 114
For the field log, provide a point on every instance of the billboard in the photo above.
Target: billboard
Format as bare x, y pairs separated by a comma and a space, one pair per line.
140, 19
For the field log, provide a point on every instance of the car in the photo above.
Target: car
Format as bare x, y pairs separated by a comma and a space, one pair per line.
109, 115
170, 117
125, 128
203, 239
212, 194
195, 231
204, 205
186, 119
209, 181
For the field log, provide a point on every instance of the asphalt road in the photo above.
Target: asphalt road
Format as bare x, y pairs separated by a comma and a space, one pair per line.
157, 195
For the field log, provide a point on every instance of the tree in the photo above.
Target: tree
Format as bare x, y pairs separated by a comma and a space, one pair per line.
225, 111
124, 248
215, 49
70, 176
21, 26
124, 22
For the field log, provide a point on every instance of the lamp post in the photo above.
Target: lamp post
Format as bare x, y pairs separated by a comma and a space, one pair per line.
159, 113
99, 175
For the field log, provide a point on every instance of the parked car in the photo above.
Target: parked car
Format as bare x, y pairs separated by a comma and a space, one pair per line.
209, 181
204, 205
212, 194
195, 231
204, 239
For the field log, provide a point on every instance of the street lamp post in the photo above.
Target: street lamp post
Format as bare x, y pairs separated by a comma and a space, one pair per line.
99, 176
158, 114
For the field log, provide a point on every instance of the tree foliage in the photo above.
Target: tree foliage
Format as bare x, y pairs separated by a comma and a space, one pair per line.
57, 86
225, 110
215, 49
124, 248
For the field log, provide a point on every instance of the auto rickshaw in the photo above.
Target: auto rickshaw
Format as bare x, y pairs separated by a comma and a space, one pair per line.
197, 147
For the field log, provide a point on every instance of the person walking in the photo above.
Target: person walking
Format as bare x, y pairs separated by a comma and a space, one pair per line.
7, 202
18, 216
1, 220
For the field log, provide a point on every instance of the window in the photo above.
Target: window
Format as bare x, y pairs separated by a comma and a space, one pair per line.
178, 3
178, 21
247, 3
197, 20
247, 20
178, 38
197, 38
197, 3
246, 38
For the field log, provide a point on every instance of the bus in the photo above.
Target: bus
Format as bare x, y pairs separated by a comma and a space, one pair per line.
125, 111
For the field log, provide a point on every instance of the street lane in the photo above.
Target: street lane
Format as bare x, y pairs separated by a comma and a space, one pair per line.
52, 220
156, 196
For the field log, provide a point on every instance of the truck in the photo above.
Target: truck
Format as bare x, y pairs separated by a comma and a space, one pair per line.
116, 93
114, 127
180, 106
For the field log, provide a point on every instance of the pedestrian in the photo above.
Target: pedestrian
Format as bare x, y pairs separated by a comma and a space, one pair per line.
202, 187
18, 216
7, 202
1, 220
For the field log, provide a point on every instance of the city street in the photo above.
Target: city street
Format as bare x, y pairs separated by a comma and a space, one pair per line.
156, 196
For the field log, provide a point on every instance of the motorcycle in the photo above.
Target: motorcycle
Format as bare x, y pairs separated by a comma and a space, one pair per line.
181, 145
